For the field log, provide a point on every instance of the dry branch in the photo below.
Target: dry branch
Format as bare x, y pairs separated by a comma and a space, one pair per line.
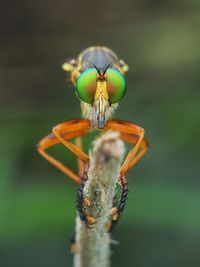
93, 243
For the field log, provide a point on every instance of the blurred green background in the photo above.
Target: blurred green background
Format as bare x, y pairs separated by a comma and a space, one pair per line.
160, 40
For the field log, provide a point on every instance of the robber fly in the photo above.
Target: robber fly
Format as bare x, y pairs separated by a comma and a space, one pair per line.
98, 76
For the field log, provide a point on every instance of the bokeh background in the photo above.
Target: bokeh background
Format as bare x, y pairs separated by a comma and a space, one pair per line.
160, 40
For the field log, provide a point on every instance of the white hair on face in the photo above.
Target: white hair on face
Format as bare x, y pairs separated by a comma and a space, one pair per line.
90, 112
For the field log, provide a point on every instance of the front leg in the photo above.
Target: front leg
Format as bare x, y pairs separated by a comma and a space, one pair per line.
62, 133
133, 134
83, 202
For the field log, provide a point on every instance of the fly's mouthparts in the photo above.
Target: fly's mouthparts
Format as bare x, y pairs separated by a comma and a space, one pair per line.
101, 121
101, 106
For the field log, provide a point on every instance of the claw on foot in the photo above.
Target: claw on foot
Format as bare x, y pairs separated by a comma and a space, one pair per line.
114, 213
74, 248
115, 217
87, 202
90, 219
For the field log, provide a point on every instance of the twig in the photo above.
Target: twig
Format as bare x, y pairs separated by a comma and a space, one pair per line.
93, 243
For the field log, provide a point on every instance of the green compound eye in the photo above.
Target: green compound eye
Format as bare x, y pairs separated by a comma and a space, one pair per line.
86, 85
116, 85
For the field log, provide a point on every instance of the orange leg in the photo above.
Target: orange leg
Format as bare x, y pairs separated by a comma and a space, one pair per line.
76, 128
133, 140
61, 134
133, 134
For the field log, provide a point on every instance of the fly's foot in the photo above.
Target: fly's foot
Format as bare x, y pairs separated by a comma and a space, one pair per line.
87, 202
90, 220
74, 248
83, 203
73, 244
114, 213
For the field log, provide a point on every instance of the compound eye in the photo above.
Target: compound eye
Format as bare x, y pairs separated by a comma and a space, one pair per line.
116, 85
86, 85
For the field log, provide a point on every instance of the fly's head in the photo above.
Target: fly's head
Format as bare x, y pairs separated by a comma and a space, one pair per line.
100, 92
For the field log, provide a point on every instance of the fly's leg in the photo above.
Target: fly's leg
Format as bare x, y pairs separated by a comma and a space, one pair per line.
73, 244
66, 131
133, 134
69, 130
62, 133
132, 139
47, 142
83, 202
59, 131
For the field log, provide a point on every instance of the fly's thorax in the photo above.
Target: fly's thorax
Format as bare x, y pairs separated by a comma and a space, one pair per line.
99, 56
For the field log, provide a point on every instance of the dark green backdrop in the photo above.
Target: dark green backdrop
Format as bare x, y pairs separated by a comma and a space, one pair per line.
160, 40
